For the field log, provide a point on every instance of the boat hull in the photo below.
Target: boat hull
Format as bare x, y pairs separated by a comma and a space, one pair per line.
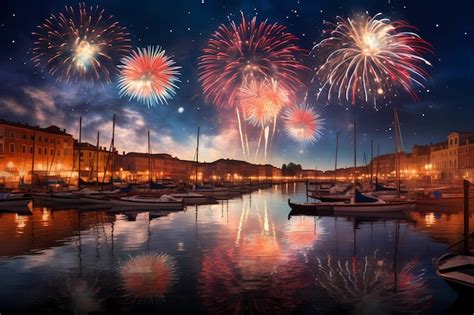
374, 207
7, 203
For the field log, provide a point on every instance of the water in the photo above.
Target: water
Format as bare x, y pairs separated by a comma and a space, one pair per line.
241, 256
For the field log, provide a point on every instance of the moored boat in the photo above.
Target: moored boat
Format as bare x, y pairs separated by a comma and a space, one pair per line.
14, 200
457, 271
165, 202
192, 198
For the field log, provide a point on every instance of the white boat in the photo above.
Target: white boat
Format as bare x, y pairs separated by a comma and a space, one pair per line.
165, 202
457, 271
365, 203
192, 198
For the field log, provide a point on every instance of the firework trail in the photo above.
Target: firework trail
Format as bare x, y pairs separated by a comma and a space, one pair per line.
237, 54
303, 124
80, 44
149, 76
369, 58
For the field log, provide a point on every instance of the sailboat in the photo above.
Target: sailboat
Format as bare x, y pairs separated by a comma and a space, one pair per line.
359, 202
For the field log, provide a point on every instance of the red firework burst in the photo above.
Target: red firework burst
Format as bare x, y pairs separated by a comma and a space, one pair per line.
249, 50
80, 44
149, 76
303, 124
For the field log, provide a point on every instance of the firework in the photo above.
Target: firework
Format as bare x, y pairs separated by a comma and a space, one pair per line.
369, 58
148, 276
149, 76
80, 44
303, 124
370, 284
262, 101
249, 50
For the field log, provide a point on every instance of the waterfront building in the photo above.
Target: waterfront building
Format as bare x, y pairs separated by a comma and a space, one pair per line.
93, 162
51, 149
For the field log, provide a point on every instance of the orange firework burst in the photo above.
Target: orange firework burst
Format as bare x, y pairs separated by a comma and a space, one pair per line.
149, 76
303, 124
148, 276
80, 44
262, 101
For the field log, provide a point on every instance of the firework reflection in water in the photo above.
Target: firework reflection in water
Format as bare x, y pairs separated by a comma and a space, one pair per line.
148, 276
370, 286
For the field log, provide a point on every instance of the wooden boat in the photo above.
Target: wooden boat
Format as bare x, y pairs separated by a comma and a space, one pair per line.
330, 197
165, 202
457, 271
192, 198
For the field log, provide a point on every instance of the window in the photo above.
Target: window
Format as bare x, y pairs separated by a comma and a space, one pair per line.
45, 139
39, 150
39, 138
31, 149
1, 147
45, 151
455, 140
24, 136
23, 148
32, 138
12, 148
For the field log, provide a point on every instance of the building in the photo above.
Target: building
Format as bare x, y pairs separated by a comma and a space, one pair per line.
50, 148
93, 162
451, 160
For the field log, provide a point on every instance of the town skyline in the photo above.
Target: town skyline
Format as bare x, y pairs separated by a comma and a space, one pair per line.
31, 95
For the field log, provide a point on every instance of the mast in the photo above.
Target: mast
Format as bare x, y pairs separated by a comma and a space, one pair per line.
149, 159
371, 162
197, 159
335, 160
79, 155
377, 167
355, 160
97, 158
113, 149
33, 161
397, 150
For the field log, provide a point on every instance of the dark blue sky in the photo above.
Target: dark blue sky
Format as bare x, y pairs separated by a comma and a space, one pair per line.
183, 27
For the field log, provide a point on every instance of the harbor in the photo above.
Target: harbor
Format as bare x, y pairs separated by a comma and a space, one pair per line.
266, 256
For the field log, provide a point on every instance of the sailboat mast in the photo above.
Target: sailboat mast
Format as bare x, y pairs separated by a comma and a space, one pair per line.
355, 160
397, 150
112, 145
335, 160
97, 158
197, 159
371, 162
149, 159
79, 155
33, 162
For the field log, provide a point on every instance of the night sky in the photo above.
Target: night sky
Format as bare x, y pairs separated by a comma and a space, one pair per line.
183, 28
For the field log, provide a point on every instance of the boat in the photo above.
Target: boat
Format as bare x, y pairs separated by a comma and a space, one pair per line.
364, 203
457, 271
164, 202
314, 207
192, 198
14, 200
218, 193
331, 197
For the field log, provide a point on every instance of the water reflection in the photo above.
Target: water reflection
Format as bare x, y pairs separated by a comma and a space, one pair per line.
244, 255
371, 284
148, 276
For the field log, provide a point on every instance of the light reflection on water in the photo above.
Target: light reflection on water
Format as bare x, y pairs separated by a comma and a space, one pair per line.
240, 256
